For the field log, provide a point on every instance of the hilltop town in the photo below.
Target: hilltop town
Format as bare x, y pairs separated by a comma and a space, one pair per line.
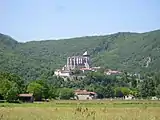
81, 63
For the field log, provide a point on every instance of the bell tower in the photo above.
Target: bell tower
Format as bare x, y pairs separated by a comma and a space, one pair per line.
87, 59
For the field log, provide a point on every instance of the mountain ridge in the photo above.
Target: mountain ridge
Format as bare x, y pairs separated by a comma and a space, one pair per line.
122, 51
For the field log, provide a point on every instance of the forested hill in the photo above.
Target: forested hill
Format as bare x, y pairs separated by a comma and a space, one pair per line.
133, 52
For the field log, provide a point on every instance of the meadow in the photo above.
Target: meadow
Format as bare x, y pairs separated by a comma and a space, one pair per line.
82, 110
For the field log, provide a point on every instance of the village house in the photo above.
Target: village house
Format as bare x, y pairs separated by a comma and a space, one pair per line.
85, 95
26, 97
129, 97
110, 72
62, 73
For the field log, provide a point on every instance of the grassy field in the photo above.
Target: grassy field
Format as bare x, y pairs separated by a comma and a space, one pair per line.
82, 110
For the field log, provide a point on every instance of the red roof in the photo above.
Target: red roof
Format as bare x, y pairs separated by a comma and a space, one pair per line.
86, 69
83, 92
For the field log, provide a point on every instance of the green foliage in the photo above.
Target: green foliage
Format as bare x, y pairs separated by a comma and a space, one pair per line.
158, 91
118, 92
123, 51
53, 92
148, 87
56, 87
37, 61
10, 86
134, 82
4, 87
36, 89
12, 93
125, 91
66, 93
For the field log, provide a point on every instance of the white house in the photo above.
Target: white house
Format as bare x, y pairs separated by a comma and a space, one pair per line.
85, 95
129, 97
62, 73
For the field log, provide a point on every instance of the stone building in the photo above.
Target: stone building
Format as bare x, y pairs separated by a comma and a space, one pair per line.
85, 95
74, 62
77, 62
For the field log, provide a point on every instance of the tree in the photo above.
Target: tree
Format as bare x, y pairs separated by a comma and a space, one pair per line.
66, 93
147, 88
118, 92
4, 87
144, 89
36, 89
109, 91
9, 90
134, 92
158, 91
12, 93
101, 91
134, 82
53, 92
125, 90
45, 88
151, 87
125, 77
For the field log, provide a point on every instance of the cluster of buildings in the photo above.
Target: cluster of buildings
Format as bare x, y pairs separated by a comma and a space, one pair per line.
78, 95
82, 63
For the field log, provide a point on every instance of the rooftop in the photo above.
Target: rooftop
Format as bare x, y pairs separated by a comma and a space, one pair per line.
84, 92
25, 95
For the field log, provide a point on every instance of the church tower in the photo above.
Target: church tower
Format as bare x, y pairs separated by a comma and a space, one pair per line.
87, 59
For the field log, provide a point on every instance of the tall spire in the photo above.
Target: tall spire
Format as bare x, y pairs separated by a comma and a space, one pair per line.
85, 53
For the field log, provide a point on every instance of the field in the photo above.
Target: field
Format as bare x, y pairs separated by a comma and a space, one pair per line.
82, 110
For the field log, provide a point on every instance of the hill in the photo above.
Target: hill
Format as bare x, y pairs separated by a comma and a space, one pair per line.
133, 52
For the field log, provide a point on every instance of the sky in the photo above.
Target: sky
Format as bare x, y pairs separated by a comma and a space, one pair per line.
28, 20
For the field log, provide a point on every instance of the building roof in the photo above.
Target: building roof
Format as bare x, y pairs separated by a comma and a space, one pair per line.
83, 92
86, 69
112, 71
85, 53
25, 95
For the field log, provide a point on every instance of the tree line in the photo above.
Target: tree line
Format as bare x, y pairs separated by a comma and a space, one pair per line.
52, 87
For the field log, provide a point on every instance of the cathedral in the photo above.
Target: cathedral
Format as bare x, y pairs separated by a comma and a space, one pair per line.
77, 62
74, 62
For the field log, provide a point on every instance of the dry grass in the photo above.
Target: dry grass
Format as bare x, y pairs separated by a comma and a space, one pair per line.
145, 110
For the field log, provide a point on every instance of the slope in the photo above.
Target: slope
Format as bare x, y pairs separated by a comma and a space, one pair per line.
123, 51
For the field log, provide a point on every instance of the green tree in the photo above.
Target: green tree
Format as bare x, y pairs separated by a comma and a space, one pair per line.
109, 91
45, 88
125, 90
53, 92
12, 93
4, 87
9, 90
133, 82
151, 87
101, 91
14, 79
147, 87
36, 89
158, 91
66, 93
118, 92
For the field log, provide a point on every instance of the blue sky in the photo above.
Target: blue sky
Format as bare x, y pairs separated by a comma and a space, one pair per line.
27, 20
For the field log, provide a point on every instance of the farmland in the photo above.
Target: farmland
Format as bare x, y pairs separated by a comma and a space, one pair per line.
82, 110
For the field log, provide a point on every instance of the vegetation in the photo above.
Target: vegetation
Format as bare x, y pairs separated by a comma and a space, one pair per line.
105, 86
82, 110
30, 69
35, 62
131, 52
